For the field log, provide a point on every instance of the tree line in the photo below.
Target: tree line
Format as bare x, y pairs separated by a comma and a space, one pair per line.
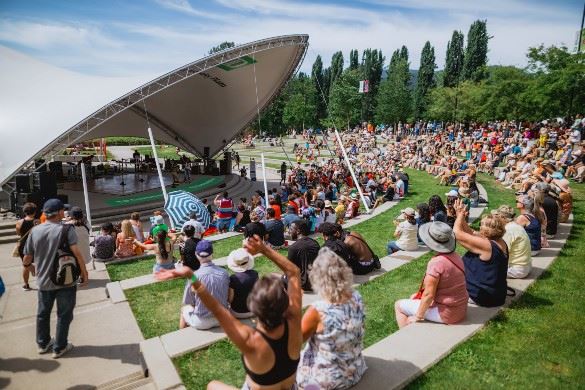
467, 89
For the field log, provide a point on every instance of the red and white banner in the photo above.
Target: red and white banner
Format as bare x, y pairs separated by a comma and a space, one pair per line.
364, 86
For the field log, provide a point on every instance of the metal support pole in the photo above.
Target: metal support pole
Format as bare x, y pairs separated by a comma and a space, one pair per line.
355, 180
86, 197
160, 176
265, 182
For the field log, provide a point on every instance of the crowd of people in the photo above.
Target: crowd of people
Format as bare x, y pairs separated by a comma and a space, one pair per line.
322, 347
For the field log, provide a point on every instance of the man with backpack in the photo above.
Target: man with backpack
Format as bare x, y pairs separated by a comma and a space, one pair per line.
59, 264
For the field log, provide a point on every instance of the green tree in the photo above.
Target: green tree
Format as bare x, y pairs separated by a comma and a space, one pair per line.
559, 84
336, 67
353, 59
475, 62
345, 101
299, 109
425, 80
371, 69
404, 53
317, 77
394, 98
454, 60
222, 46
461, 103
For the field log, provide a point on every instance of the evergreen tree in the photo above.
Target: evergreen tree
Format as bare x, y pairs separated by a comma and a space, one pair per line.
222, 46
394, 98
336, 67
425, 80
454, 60
353, 59
326, 83
299, 109
345, 101
476, 52
371, 69
404, 53
319, 92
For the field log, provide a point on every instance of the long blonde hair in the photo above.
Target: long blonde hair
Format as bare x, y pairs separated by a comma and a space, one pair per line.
127, 229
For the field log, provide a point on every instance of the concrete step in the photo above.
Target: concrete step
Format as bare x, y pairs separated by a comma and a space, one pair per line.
133, 381
7, 231
9, 239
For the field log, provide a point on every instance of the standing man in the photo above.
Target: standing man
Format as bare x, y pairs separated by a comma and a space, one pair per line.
282, 173
225, 212
41, 248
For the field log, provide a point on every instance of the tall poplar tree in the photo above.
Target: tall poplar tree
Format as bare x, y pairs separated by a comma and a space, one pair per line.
371, 68
336, 67
454, 60
320, 93
474, 66
353, 59
425, 80
394, 97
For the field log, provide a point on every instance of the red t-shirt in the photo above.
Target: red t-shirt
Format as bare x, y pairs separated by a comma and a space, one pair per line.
451, 296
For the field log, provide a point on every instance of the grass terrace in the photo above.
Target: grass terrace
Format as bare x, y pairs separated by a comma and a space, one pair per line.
221, 360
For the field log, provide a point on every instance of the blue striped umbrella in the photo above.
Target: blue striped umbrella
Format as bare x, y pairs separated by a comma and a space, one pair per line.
181, 203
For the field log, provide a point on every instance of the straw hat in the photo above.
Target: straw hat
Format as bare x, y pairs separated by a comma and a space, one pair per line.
438, 236
240, 260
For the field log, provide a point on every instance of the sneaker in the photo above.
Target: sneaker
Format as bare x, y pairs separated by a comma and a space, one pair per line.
377, 264
26, 287
57, 355
47, 348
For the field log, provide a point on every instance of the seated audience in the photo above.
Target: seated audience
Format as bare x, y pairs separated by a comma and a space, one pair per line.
105, 243
333, 241
518, 242
274, 230
442, 296
198, 228
255, 227
303, 252
332, 357
125, 240
137, 226
486, 259
241, 282
529, 222
406, 233
364, 260
163, 249
289, 217
273, 347
437, 208
196, 312
551, 209
82, 230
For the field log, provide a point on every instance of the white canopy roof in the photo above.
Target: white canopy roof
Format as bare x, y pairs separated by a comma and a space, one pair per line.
202, 104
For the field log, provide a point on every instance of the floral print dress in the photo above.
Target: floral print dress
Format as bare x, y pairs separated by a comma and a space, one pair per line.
332, 359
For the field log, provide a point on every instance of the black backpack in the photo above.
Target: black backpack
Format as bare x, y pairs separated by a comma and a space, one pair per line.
65, 270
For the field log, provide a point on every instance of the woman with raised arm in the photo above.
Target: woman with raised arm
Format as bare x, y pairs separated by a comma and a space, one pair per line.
486, 259
271, 350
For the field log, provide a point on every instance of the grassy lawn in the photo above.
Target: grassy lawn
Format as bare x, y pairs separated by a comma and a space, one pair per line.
167, 151
535, 342
198, 368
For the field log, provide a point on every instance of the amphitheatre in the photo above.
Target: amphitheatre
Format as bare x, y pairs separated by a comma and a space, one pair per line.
208, 127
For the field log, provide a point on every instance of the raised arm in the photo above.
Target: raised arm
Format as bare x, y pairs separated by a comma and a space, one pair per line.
255, 245
466, 236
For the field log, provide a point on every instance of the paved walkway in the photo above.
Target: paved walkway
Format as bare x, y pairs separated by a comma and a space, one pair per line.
106, 338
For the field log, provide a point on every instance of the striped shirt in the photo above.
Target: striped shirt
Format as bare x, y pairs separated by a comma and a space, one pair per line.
216, 280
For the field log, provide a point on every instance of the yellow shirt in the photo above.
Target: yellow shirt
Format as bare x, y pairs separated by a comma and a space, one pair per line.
518, 245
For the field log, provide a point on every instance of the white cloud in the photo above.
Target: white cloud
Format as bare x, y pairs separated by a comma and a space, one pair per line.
185, 7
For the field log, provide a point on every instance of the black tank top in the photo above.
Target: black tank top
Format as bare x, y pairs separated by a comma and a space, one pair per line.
283, 367
24, 228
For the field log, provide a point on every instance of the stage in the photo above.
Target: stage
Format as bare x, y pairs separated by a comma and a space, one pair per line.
121, 184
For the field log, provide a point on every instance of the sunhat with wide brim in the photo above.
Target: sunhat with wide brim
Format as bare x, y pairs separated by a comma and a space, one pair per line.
240, 260
438, 236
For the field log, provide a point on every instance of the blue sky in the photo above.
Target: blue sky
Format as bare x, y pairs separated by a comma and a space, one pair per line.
149, 37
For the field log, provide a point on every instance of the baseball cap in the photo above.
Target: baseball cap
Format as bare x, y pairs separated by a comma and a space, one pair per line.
76, 212
453, 194
204, 249
408, 211
53, 206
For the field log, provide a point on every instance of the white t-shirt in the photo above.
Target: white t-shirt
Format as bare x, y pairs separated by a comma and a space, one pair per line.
408, 240
518, 245
199, 229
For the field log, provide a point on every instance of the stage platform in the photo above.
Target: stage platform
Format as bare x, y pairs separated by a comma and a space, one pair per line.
121, 184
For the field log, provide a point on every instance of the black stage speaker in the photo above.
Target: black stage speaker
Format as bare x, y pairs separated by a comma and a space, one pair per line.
19, 199
223, 167
196, 169
23, 183
206, 152
215, 171
57, 168
46, 183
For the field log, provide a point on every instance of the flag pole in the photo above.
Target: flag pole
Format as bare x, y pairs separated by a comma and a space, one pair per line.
265, 183
159, 171
357, 184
